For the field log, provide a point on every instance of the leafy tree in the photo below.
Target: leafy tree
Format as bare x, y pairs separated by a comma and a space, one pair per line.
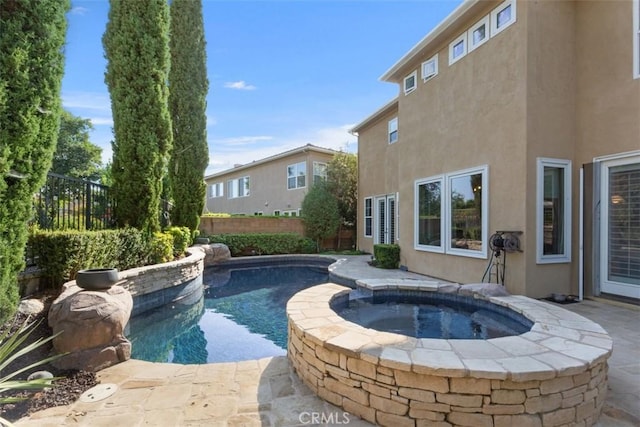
342, 178
32, 36
75, 155
136, 45
188, 87
320, 213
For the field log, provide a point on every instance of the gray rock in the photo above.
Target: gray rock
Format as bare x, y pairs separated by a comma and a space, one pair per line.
31, 306
40, 375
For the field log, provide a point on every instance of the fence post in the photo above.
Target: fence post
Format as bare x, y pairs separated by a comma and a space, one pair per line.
87, 207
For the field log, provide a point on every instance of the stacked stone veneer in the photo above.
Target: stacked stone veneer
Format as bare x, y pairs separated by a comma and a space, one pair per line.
554, 375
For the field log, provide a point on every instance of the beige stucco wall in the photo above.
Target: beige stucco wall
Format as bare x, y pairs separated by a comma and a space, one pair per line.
268, 186
556, 84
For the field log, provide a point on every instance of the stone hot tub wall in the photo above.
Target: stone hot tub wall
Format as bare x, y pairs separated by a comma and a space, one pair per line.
554, 375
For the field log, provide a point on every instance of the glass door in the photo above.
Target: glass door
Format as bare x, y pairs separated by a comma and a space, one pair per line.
620, 227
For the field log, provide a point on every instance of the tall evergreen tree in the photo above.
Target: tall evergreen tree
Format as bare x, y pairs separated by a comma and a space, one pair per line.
32, 36
188, 87
136, 44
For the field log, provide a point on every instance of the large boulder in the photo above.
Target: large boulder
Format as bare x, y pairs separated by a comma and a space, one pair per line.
92, 325
215, 253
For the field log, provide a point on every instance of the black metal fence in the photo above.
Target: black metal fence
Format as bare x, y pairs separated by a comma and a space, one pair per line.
65, 203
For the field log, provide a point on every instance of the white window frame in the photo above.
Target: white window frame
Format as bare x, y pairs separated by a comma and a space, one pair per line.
216, 190
462, 38
408, 90
417, 244
487, 33
565, 257
296, 175
319, 171
495, 29
241, 184
276, 212
445, 213
392, 130
428, 75
636, 39
369, 217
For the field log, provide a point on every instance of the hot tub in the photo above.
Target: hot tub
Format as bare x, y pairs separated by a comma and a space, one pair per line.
553, 375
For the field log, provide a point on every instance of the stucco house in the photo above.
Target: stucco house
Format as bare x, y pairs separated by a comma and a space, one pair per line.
517, 124
275, 185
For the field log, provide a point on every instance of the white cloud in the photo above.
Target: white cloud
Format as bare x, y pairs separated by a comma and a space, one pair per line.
79, 10
96, 101
101, 121
239, 85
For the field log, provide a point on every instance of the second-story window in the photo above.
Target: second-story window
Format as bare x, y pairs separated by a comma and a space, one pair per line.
238, 187
297, 175
319, 172
430, 68
393, 130
410, 83
216, 190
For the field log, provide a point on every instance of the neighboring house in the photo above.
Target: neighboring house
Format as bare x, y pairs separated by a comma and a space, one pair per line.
513, 116
275, 185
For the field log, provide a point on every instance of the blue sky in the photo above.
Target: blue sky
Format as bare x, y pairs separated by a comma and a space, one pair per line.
281, 73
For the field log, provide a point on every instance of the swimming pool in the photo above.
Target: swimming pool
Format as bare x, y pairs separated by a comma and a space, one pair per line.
239, 316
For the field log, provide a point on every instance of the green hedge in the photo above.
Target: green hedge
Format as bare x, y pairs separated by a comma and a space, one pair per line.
386, 256
61, 254
265, 243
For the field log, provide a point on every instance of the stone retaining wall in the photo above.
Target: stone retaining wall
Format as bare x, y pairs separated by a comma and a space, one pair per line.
156, 285
555, 375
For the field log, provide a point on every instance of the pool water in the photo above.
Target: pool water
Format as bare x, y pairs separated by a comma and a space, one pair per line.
240, 316
433, 316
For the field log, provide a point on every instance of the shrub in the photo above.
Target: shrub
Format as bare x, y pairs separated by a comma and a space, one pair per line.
160, 248
265, 243
182, 239
60, 254
387, 256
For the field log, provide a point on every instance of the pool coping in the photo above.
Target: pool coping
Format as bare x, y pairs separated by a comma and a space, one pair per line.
560, 342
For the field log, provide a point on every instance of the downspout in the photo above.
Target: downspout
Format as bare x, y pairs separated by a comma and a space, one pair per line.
581, 238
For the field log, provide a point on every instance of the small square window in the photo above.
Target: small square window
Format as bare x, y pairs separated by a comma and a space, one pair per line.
458, 48
410, 83
430, 68
503, 16
393, 130
478, 34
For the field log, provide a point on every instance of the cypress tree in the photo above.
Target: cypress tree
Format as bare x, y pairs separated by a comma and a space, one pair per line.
32, 36
188, 87
136, 44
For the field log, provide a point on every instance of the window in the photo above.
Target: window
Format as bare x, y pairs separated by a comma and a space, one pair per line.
276, 213
297, 175
466, 194
430, 68
216, 190
430, 226
368, 217
636, 39
319, 172
410, 82
238, 187
478, 34
290, 213
258, 213
393, 130
451, 213
503, 16
553, 216
458, 48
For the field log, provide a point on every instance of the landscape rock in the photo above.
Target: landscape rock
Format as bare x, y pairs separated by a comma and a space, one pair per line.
92, 325
31, 307
215, 253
